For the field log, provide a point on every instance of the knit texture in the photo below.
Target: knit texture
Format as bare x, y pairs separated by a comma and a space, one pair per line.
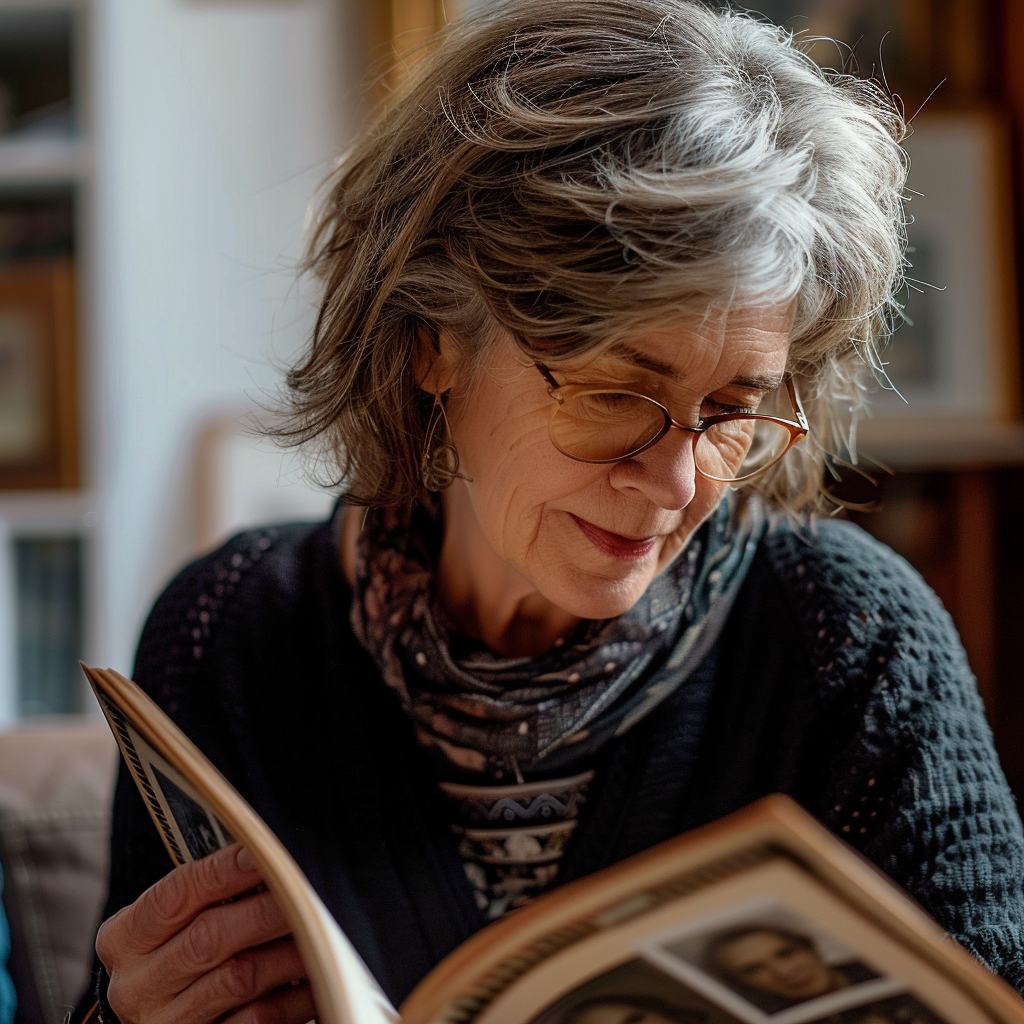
916, 786
839, 679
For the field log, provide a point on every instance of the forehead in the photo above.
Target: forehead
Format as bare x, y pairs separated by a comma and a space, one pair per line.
754, 945
674, 348
612, 1012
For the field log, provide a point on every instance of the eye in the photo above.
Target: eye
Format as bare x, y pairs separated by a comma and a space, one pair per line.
718, 407
611, 401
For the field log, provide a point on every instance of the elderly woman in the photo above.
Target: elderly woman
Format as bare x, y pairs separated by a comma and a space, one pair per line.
598, 291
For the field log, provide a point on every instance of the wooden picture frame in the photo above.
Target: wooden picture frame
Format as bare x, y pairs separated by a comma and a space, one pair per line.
937, 51
955, 366
395, 31
38, 376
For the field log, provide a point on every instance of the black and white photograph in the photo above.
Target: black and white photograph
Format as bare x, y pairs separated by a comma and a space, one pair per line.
903, 1009
202, 833
775, 966
769, 964
634, 993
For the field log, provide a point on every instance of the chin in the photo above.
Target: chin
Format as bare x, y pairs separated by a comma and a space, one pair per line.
600, 598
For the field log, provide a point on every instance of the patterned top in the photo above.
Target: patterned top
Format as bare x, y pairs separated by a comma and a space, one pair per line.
512, 837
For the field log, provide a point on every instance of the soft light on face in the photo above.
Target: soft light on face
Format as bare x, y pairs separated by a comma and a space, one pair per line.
591, 538
776, 964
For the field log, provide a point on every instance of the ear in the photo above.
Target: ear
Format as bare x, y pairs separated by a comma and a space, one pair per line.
434, 362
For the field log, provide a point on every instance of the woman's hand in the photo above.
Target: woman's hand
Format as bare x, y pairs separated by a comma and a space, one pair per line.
181, 955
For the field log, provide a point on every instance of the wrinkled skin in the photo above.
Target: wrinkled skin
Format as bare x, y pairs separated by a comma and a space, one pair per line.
180, 954
517, 568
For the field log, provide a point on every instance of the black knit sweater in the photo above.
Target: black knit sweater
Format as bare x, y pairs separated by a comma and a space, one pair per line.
839, 680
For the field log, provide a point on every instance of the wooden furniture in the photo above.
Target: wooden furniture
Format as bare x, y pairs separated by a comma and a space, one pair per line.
38, 375
45, 242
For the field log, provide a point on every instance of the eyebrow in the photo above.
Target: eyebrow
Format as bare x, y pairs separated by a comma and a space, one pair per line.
621, 350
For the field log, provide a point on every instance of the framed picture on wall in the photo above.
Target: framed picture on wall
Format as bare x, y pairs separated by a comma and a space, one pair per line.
394, 31
953, 365
38, 376
935, 53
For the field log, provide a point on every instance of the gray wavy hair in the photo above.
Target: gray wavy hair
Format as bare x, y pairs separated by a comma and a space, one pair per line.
570, 173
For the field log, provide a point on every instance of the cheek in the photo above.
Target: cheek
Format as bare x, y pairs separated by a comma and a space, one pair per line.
515, 471
706, 497
807, 961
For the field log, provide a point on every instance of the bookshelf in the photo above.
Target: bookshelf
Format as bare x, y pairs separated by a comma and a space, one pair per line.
43, 161
46, 513
170, 154
954, 497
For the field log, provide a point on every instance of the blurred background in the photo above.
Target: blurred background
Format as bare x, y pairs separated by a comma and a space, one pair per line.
156, 162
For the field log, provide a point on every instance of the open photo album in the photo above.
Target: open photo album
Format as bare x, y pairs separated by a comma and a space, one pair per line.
763, 917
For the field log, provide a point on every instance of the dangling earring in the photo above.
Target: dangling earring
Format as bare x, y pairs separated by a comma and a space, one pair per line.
439, 464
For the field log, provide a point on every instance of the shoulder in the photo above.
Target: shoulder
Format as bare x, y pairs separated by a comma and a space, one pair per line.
249, 587
248, 568
862, 608
885, 653
838, 562
912, 779
891, 677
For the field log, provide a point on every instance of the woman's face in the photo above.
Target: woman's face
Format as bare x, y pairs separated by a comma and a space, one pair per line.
590, 538
618, 1013
776, 964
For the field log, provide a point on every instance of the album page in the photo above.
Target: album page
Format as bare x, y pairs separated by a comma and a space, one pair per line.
761, 918
197, 811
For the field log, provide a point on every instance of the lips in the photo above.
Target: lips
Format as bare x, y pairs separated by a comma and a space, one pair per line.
626, 549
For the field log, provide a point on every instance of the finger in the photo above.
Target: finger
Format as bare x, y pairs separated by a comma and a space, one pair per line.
164, 908
293, 1005
246, 977
152, 979
214, 936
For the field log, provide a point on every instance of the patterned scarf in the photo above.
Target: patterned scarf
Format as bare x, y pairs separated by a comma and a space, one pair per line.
494, 719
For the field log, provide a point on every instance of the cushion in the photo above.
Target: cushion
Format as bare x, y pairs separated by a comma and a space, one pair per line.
56, 783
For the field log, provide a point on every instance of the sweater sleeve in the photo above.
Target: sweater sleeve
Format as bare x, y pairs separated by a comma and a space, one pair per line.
914, 781
173, 665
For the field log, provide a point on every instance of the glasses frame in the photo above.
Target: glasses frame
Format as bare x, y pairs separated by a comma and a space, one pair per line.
798, 428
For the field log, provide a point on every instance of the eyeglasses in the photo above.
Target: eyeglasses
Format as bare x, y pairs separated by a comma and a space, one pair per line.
606, 424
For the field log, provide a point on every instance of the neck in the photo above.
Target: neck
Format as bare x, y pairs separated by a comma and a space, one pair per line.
484, 596
837, 980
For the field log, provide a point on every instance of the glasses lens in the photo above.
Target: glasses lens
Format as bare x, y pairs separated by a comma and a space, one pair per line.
598, 426
740, 448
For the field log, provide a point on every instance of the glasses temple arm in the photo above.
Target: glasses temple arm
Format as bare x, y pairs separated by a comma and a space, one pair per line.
546, 374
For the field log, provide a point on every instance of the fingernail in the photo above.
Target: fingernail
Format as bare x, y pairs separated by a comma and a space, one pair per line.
245, 860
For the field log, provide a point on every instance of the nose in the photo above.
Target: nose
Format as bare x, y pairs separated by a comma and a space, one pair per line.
665, 473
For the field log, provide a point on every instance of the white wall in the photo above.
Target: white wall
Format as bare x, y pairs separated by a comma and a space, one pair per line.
215, 121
